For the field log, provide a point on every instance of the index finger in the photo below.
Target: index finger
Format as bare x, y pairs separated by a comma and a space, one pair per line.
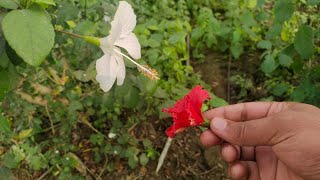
246, 111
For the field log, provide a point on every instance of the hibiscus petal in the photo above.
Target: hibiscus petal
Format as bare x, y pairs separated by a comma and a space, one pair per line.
196, 96
187, 111
121, 74
131, 44
106, 72
125, 17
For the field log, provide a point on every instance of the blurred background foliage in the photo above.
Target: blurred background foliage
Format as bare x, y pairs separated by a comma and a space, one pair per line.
56, 122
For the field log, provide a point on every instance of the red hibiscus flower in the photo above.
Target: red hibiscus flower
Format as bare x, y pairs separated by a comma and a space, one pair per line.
187, 111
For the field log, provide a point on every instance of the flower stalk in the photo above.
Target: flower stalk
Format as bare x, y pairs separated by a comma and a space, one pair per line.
89, 39
163, 154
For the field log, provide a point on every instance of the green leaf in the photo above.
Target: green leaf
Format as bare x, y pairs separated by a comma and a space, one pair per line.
13, 157
2, 39
30, 33
280, 89
86, 28
285, 60
269, 64
4, 125
143, 159
24, 134
45, 3
283, 10
67, 11
218, 102
9, 78
252, 3
236, 50
5, 172
304, 42
247, 19
264, 44
4, 83
9, 4
313, 2
177, 37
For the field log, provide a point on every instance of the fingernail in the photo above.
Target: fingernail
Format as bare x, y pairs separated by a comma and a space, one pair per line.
219, 123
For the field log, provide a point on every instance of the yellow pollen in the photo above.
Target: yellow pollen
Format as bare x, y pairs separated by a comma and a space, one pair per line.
149, 72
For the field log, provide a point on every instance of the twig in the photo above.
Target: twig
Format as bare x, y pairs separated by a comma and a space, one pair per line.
48, 129
86, 122
103, 169
188, 49
45, 173
208, 171
163, 154
132, 127
229, 64
50, 119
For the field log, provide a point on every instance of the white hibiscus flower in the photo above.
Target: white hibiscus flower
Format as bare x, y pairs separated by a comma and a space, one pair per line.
110, 67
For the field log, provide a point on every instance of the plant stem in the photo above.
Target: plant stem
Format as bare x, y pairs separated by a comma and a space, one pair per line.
89, 39
163, 154
205, 124
69, 33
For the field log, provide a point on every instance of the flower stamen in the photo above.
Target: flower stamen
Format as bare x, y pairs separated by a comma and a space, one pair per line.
148, 72
144, 69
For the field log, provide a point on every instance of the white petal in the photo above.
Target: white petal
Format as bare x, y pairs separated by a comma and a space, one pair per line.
125, 17
106, 72
106, 45
121, 74
131, 44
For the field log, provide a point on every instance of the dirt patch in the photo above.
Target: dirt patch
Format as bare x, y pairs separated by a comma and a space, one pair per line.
217, 68
186, 159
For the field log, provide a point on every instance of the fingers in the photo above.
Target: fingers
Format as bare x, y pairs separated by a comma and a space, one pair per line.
246, 111
244, 170
229, 153
209, 139
248, 133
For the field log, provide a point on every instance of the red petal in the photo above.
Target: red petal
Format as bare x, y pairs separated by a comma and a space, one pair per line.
187, 111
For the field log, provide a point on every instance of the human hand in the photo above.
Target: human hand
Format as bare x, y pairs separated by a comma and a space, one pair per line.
267, 140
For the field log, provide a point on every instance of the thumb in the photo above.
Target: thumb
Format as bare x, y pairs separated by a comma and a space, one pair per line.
263, 131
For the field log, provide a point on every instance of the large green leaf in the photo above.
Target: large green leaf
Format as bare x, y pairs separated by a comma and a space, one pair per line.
304, 42
30, 33
9, 4
283, 10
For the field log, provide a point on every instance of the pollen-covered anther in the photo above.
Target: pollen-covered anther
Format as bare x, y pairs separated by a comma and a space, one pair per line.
149, 72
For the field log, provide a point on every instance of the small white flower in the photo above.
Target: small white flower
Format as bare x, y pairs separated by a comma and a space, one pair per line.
110, 67
106, 18
112, 135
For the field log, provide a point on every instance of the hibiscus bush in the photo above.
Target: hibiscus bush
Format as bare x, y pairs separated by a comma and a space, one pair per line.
82, 92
